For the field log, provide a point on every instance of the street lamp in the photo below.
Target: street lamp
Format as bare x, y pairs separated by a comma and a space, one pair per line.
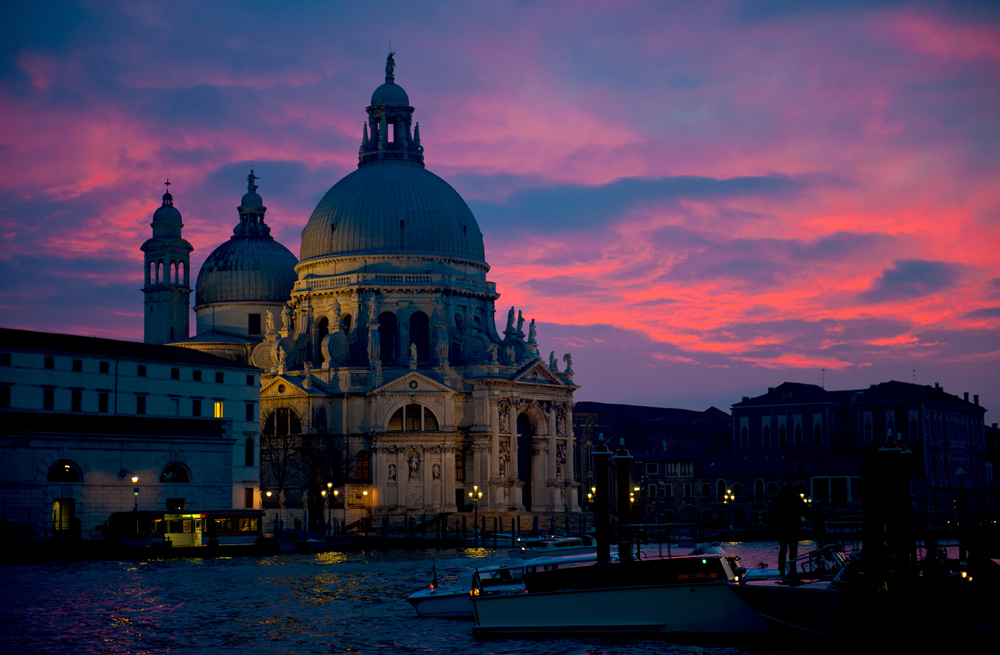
135, 492
728, 499
329, 491
326, 501
475, 495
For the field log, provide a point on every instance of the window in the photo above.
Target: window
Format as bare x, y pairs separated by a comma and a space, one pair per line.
220, 377
175, 374
651, 468
459, 466
282, 422
744, 437
102, 402
253, 324
687, 490
4, 396
196, 407
64, 470
141, 372
782, 437
77, 365
250, 412
413, 418
798, 435
175, 473
50, 362
105, 367
817, 434
196, 375
758, 491
63, 515
388, 338
4, 359
706, 490
651, 491
363, 469
176, 504
140, 404
248, 497
48, 398
217, 409
249, 380
249, 448
738, 489
720, 491
420, 335
76, 401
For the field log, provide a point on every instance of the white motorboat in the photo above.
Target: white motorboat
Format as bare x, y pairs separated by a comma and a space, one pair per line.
684, 595
453, 600
553, 546
822, 563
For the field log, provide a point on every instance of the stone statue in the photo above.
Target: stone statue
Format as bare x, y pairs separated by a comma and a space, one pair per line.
413, 352
442, 347
504, 458
251, 187
373, 343
438, 311
510, 319
531, 332
390, 65
502, 416
307, 369
282, 356
270, 321
436, 472
520, 322
553, 362
492, 351
392, 473
414, 463
568, 358
509, 351
372, 310
378, 369
286, 318
305, 498
336, 316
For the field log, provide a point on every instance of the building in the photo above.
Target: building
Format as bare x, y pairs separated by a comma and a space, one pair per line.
812, 438
79, 416
676, 456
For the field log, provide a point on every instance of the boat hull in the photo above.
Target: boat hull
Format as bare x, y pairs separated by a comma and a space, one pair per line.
681, 608
812, 607
450, 602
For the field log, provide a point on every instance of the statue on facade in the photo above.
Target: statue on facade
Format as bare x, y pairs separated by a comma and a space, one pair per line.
307, 369
553, 362
373, 343
251, 187
392, 473
436, 472
510, 320
286, 317
520, 322
270, 321
568, 358
413, 352
531, 332
282, 357
502, 416
414, 463
510, 352
504, 458
438, 311
372, 310
335, 324
442, 347
492, 351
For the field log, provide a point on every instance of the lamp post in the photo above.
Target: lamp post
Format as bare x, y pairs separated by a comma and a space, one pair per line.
728, 499
962, 545
326, 501
329, 492
343, 522
475, 495
135, 492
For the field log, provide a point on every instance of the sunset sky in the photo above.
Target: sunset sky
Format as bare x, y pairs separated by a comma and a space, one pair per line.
697, 200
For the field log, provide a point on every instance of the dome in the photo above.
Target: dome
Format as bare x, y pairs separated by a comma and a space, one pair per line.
390, 94
392, 207
247, 269
252, 199
167, 213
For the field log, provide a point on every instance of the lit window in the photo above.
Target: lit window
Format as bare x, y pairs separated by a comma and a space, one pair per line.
218, 409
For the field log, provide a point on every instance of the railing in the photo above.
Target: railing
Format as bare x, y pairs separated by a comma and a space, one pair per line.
379, 279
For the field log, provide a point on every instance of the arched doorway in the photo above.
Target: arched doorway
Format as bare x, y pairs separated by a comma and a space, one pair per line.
524, 434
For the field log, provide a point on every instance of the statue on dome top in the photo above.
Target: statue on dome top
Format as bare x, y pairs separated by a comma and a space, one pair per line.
390, 65
251, 187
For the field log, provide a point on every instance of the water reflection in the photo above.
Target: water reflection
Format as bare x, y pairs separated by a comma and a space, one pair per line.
318, 603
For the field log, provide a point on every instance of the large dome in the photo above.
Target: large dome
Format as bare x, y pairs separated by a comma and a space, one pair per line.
246, 269
392, 207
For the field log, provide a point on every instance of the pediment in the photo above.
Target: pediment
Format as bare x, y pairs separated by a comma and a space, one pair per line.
289, 386
413, 382
538, 373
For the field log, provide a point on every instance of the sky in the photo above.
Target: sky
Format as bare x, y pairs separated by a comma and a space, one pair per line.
697, 200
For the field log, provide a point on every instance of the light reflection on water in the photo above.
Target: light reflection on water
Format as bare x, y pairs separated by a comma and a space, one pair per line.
319, 603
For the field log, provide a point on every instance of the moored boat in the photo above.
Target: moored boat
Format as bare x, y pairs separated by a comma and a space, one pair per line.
553, 546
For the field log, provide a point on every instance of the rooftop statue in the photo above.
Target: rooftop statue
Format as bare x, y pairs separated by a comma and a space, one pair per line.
390, 65
251, 187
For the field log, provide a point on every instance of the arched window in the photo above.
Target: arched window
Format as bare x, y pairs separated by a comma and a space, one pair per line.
798, 435
282, 422
413, 418
388, 337
182, 272
420, 335
250, 451
64, 471
758, 491
175, 473
322, 328
782, 436
817, 434
363, 469
744, 437
767, 435
151, 273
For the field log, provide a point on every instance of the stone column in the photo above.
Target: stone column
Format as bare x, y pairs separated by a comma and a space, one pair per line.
570, 445
551, 417
512, 427
495, 437
448, 478
424, 471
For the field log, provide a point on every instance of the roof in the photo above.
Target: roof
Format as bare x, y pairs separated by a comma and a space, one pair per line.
796, 393
71, 344
253, 268
664, 418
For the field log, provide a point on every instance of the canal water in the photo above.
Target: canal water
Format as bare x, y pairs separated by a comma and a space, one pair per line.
331, 603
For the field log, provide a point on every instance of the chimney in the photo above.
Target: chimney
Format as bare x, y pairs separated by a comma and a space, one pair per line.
975, 399
770, 389
937, 385
966, 396
747, 398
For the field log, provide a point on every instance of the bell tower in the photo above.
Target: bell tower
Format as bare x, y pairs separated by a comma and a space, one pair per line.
168, 276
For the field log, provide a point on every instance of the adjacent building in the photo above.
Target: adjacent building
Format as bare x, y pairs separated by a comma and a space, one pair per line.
80, 416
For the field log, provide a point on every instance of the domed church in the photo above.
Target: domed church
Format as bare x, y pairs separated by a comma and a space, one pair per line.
384, 374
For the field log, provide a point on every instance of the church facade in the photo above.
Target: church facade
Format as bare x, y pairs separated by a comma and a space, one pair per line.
384, 375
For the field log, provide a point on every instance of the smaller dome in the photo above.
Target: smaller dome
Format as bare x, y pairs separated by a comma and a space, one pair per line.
390, 94
246, 269
167, 213
252, 199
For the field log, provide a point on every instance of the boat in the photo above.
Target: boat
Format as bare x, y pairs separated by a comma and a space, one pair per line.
680, 595
823, 563
452, 601
553, 546
798, 604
